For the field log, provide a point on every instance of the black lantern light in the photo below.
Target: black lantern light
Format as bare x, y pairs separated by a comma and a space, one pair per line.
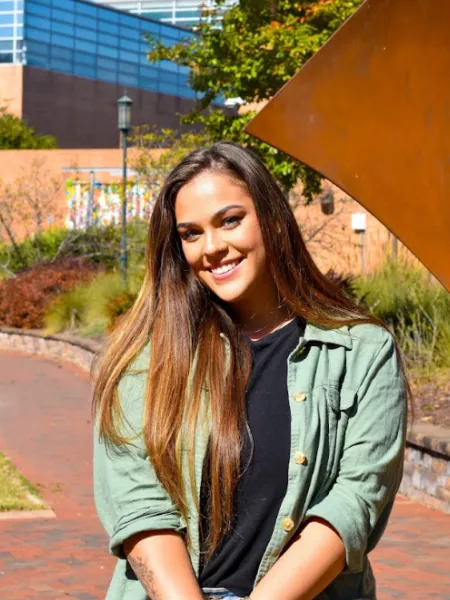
124, 122
124, 113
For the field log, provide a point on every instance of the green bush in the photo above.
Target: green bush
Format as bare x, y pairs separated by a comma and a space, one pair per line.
94, 308
98, 245
415, 308
35, 250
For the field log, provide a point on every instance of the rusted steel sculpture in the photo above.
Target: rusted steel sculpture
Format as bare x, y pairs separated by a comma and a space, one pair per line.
371, 112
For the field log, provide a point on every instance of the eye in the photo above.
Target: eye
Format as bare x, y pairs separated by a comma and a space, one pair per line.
230, 222
189, 235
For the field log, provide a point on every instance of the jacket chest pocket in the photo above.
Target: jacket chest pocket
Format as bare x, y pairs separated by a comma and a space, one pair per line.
338, 404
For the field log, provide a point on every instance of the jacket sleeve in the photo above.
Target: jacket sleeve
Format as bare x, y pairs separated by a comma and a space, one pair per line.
128, 495
371, 464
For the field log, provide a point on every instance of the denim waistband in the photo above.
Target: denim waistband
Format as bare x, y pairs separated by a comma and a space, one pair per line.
219, 594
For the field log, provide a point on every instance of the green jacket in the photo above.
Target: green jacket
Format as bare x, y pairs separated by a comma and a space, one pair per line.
348, 408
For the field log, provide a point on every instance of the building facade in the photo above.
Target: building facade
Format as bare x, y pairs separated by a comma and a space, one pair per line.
64, 64
184, 13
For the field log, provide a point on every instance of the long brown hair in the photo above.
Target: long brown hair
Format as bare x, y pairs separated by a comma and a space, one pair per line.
183, 319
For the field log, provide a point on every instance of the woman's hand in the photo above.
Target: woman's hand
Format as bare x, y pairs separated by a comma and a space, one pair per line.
310, 564
161, 562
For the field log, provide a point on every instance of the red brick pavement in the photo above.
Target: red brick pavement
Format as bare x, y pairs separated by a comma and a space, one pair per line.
45, 427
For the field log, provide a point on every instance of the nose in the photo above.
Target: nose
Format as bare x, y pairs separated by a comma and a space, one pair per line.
214, 244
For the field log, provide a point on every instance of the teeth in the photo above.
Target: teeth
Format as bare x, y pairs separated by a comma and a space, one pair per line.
225, 268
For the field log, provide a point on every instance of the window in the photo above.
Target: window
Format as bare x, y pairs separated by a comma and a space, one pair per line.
128, 68
108, 27
108, 51
63, 15
109, 15
58, 64
38, 9
106, 75
4, 6
62, 53
62, 40
83, 70
37, 34
6, 57
86, 47
129, 56
63, 28
37, 49
6, 45
83, 22
36, 60
127, 32
128, 21
87, 10
106, 63
86, 34
132, 44
128, 79
38, 22
6, 19
6, 32
68, 6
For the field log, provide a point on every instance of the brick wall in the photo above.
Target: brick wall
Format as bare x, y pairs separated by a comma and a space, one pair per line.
11, 84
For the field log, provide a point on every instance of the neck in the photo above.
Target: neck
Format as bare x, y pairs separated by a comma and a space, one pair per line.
262, 320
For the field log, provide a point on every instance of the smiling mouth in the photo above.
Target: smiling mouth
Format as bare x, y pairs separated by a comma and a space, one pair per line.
226, 268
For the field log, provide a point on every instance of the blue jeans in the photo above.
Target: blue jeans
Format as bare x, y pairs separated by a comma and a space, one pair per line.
219, 594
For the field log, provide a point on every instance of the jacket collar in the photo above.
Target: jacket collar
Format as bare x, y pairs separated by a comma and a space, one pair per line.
337, 337
313, 333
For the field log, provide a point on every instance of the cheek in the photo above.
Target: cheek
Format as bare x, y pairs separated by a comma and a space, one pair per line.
192, 255
251, 241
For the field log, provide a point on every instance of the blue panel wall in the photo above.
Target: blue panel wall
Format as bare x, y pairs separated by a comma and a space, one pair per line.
88, 40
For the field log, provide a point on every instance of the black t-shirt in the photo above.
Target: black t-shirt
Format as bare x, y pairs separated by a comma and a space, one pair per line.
263, 485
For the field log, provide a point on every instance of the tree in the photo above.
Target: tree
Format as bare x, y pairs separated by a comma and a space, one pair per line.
15, 134
28, 205
260, 45
152, 166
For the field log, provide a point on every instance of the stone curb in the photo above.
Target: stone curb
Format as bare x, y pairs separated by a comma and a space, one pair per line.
27, 515
427, 460
75, 350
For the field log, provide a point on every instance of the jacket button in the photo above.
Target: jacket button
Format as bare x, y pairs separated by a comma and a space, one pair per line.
300, 397
300, 458
287, 524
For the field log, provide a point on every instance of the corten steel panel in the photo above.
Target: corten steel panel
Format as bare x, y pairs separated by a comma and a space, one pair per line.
371, 112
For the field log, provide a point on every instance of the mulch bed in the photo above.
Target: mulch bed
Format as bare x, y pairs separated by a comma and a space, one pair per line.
432, 398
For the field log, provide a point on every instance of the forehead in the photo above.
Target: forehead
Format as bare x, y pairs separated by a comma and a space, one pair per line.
208, 193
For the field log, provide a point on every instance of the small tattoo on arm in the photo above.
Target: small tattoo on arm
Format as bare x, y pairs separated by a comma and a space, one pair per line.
145, 576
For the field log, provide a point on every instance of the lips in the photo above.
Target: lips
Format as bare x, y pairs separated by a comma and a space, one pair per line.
224, 269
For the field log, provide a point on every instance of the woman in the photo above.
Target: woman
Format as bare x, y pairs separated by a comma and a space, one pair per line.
250, 419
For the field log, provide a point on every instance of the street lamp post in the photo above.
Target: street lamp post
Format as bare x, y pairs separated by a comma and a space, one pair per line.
124, 122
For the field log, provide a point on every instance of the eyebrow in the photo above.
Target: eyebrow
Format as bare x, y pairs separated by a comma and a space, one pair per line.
219, 213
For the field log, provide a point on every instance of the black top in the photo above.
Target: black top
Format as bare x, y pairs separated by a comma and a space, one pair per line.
263, 485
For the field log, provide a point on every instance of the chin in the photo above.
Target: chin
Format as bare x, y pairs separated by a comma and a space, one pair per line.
231, 296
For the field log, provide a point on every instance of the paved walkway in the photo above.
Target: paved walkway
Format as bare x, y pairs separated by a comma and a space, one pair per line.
45, 427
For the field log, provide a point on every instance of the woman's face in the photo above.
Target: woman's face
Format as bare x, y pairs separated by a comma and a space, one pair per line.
221, 238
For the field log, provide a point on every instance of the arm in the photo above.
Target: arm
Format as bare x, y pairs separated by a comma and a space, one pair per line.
143, 524
161, 562
310, 564
345, 524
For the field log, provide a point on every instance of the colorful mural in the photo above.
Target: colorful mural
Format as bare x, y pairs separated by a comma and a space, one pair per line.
105, 206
